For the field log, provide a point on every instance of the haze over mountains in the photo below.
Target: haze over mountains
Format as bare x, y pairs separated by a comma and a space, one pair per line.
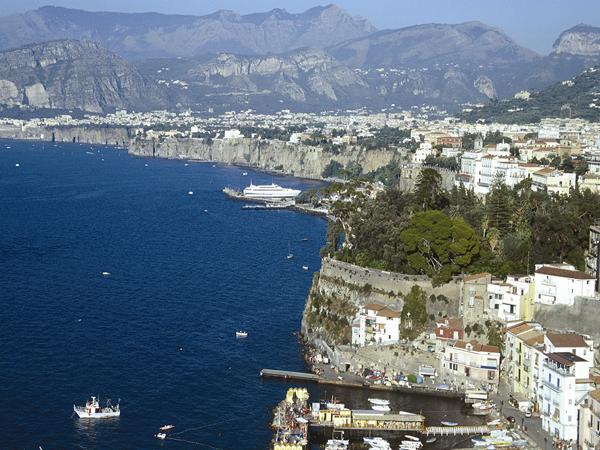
323, 58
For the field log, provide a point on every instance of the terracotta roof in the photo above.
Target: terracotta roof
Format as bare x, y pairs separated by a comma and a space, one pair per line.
451, 322
570, 340
387, 312
476, 276
519, 328
564, 273
595, 394
477, 347
374, 306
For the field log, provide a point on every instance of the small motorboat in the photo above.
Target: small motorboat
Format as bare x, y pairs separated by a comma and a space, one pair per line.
106, 274
245, 174
382, 408
17, 165
449, 424
241, 334
431, 440
412, 438
305, 268
379, 401
166, 428
190, 192
162, 436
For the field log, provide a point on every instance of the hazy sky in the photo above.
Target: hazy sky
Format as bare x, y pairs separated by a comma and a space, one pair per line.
533, 23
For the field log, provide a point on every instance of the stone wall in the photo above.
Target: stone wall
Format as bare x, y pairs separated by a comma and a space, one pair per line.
410, 174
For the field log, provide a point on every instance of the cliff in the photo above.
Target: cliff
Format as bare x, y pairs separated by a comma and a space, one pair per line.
340, 289
295, 159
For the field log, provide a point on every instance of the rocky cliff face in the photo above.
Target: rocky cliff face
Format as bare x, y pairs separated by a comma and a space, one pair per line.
299, 160
581, 40
340, 289
73, 75
158, 35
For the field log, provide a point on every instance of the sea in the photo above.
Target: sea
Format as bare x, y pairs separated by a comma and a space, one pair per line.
187, 268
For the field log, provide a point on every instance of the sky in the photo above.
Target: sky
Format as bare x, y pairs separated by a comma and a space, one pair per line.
532, 23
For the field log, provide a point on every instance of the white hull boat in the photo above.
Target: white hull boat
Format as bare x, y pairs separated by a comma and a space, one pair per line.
92, 410
382, 408
241, 334
270, 192
379, 401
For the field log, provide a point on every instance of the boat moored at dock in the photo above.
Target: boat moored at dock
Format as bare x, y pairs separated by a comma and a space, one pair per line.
270, 192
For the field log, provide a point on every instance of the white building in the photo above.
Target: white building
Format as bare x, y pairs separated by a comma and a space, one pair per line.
425, 149
559, 284
589, 421
553, 181
232, 134
474, 362
478, 171
565, 380
376, 324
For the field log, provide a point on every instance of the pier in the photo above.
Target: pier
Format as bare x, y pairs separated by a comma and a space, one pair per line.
288, 375
414, 389
457, 430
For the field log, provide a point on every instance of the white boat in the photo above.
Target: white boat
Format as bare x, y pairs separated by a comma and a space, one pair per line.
92, 410
190, 192
166, 428
377, 443
382, 408
337, 444
290, 255
17, 164
449, 424
304, 267
270, 192
379, 401
431, 440
241, 334
336, 406
412, 438
106, 274
245, 174
162, 436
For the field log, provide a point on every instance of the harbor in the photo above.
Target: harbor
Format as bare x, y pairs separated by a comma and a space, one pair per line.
298, 423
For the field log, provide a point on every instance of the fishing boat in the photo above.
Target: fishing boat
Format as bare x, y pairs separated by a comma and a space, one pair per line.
449, 424
379, 401
382, 408
337, 444
92, 409
166, 428
241, 334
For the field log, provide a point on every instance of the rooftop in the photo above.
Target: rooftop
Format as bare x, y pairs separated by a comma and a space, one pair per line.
477, 347
564, 273
570, 340
566, 359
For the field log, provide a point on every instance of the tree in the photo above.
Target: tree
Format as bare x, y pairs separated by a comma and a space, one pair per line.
333, 169
428, 189
415, 304
439, 246
499, 206
494, 337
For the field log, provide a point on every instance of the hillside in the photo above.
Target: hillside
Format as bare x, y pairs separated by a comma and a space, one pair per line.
578, 97
74, 75
143, 35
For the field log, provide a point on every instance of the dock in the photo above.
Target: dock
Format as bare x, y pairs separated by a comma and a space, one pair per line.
288, 375
457, 430
301, 376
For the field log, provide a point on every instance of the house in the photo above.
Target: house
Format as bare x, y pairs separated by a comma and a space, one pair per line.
376, 324
512, 299
232, 134
473, 362
589, 421
553, 181
559, 284
449, 141
474, 305
425, 149
566, 382
524, 353
450, 329
593, 253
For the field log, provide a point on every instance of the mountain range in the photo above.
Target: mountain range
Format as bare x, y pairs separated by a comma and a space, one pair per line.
323, 58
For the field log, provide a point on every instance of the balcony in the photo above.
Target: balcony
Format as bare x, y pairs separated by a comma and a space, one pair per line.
551, 386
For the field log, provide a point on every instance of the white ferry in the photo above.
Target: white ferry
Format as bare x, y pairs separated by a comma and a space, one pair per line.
270, 192
93, 410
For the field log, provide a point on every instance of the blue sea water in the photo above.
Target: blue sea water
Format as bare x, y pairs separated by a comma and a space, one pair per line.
187, 271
